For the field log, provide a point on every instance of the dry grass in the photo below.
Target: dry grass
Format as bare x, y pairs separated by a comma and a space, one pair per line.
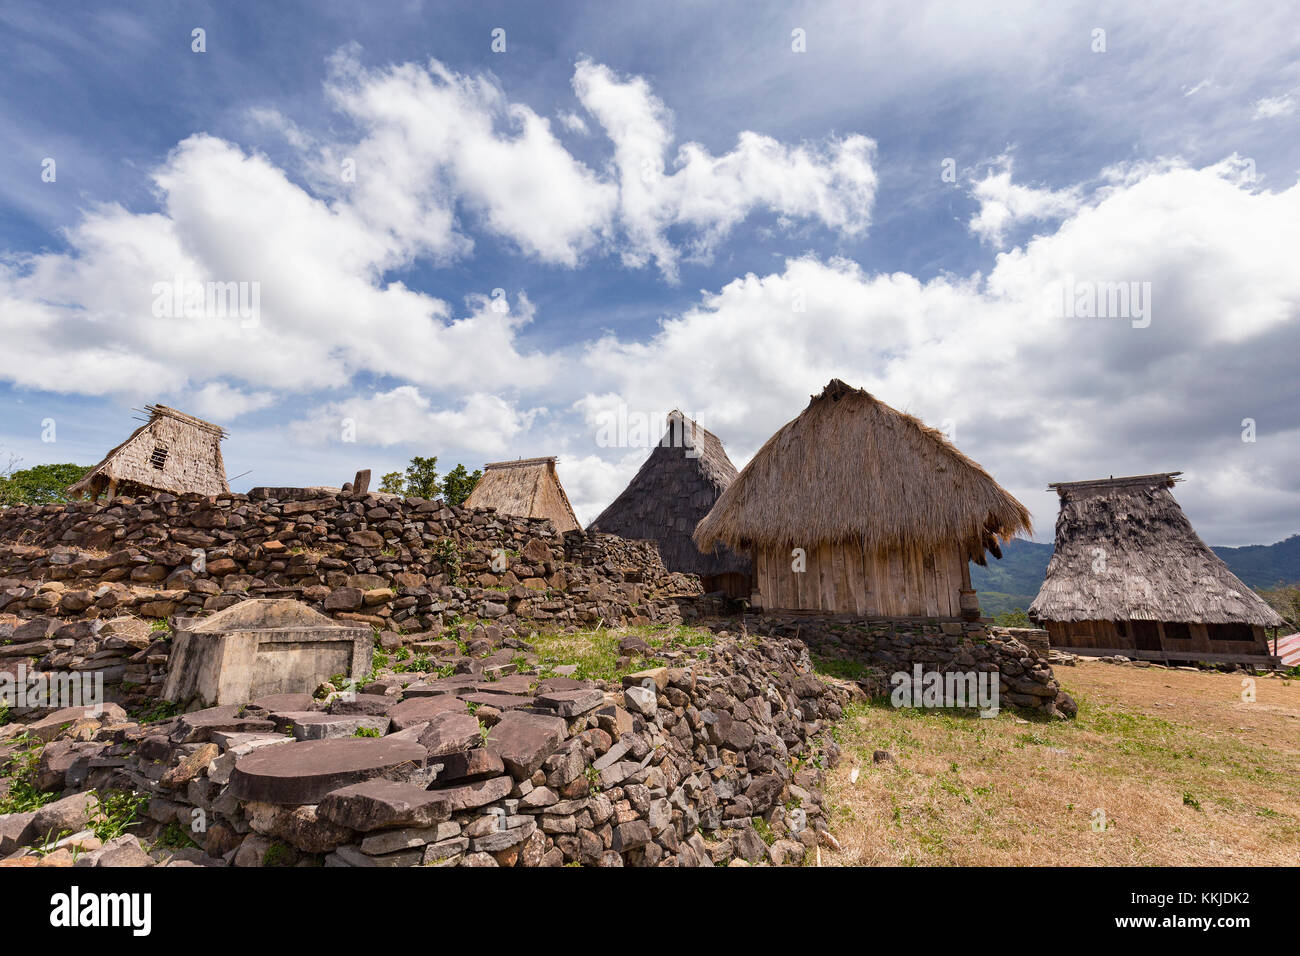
1184, 770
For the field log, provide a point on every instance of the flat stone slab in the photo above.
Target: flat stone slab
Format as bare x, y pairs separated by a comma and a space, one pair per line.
450, 733
356, 704
305, 772
274, 702
380, 804
570, 703
326, 726
49, 727
383, 804
467, 764
198, 726
408, 838
511, 684
552, 684
467, 796
523, 741
444, 685
417, 710
499, 701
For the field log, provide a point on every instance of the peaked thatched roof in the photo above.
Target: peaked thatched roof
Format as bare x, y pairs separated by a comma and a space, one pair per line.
850, 468
529, 488
171, 452
1155, 568
675, 488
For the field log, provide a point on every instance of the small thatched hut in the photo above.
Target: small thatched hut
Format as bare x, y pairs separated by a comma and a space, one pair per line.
528, 488
171, 452
675, 488
1130, 576
887, 513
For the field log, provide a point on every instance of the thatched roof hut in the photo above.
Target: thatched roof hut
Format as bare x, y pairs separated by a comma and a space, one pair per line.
681, 480
171, 452
886, 510
529, 488
1130, 574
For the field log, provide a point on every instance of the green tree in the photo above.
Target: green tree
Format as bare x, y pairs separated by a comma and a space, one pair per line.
458, 483
1016, 618
40, 485
420, 480
1285, 599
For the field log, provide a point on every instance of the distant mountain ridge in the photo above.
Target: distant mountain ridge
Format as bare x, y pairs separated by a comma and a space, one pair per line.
1014, 581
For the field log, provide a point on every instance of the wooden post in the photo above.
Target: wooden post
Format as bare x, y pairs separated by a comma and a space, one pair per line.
968, 601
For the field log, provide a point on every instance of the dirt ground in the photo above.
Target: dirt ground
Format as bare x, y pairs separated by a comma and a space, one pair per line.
1161, 767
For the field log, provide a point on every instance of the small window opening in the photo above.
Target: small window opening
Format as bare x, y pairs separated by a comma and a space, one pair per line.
159, 456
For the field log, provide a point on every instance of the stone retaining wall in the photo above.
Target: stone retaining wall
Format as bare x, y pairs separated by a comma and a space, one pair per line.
886, 647
75, 578
714, 758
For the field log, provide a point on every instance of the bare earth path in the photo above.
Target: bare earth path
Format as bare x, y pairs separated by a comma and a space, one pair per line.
1184, 770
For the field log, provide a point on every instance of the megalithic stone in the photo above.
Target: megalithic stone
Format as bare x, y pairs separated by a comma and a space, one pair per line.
361, 483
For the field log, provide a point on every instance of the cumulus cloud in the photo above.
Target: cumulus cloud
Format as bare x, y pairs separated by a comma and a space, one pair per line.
219, 402
436, 142
483, 423
1004, 204
1031, 394
101, 318
437, 155
832, 182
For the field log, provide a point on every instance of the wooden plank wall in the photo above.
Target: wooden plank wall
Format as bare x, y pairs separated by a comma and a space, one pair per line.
1105, 634
847, 579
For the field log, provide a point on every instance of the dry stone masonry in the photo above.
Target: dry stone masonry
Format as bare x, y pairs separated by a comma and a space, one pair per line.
712, 756
881, 648
465, 741
76, 579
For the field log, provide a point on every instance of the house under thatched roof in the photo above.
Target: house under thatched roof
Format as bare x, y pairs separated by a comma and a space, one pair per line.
675, 488
886, 511
1130, 574
171, 452
529, 488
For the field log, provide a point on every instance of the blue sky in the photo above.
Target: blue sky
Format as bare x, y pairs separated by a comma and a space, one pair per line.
680, 208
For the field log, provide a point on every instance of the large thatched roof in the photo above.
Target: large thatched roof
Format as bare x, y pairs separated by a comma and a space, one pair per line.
529, 488
850, 468
1126, 552
675, 488
171, 452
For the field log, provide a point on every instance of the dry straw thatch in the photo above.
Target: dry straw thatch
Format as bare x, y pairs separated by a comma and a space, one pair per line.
1126, 552
852, 469
527, 488
171, 452
681, 480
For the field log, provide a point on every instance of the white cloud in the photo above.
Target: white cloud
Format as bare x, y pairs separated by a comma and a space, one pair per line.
592, 482
219, 402
435, 147
1004, 204
1271, 107
436, 141
85, 321
1033, 396
833, 182
484, 423
573, 122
